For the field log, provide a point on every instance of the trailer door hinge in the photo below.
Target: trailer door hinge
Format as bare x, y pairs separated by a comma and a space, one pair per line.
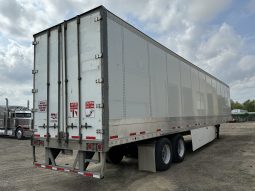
34, 71
34, 90
34, 110
35, 42
99, 80
98, 18
100, 55
100, 105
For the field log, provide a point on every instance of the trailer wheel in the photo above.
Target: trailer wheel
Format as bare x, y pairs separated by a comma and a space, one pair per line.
217, 131
179, 149
115, 155
163, 154
19, 134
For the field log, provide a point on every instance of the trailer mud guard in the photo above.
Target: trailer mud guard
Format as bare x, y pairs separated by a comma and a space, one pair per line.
146, 157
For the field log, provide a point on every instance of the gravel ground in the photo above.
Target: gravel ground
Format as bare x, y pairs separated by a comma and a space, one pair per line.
224, 164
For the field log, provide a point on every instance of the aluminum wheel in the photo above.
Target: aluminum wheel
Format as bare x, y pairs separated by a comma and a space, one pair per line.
166, 154
163, 154
181, 148
19, 134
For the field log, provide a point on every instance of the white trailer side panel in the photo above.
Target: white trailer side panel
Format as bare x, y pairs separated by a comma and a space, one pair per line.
136, 79
158, 78
187, 102
115, 64
153, 91
174, 88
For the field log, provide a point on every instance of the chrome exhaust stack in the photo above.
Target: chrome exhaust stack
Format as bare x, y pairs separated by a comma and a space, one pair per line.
28, 104
7, 114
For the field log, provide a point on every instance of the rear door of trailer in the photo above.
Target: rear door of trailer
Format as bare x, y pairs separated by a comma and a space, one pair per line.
67, 95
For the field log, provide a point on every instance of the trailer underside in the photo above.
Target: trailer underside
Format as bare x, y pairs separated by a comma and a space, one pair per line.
145, 150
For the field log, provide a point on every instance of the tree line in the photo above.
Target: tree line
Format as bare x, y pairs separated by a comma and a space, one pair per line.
248, 105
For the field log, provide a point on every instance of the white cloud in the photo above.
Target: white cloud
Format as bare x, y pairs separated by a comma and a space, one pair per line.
247, 63
244, 89
204, 11
251, 6
15, 72
223, 39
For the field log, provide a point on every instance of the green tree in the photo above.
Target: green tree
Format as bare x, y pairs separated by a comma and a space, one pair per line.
236, 105
249, 105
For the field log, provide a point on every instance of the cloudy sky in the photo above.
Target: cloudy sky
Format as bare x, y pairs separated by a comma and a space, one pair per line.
218, 36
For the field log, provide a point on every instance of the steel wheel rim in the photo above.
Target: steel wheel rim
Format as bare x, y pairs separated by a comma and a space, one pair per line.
181, 148
166, 154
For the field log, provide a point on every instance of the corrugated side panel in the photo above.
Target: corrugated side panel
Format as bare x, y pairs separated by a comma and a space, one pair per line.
153, 92
90, 103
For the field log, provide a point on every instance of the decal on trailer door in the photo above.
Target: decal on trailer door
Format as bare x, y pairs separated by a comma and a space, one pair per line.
53, 117
90, 109
42, 106
74, 109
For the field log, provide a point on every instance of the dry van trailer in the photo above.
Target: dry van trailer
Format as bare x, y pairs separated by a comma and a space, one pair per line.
102, 86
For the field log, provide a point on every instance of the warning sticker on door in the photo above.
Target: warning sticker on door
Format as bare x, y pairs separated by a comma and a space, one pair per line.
90, 109
74, 109
53, 117
42, 106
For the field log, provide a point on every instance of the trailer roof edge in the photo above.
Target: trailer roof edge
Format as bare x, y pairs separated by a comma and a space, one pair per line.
82, 14
139, 31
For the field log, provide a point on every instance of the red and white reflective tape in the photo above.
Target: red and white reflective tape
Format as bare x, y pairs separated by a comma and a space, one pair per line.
76, 171
75, 137
114, 137
90, 137
36, 135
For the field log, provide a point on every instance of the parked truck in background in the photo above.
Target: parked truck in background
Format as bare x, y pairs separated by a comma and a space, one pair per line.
103, 88
15, 121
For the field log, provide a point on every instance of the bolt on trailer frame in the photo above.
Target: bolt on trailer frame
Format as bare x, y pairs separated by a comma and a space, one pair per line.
97, 87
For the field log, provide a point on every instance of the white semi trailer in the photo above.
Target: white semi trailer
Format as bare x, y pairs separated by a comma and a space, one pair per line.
104, 88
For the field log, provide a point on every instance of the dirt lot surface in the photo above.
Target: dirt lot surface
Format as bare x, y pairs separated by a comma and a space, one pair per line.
224, 164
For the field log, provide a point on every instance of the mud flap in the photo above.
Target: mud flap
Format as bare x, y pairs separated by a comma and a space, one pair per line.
146, 157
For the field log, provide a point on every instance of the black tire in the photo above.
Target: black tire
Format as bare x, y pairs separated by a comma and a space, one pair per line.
217, 131
19, 133
179, 149
163, 154
115, 155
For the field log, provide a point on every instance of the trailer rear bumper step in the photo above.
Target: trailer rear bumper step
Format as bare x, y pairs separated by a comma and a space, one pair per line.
64, 169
